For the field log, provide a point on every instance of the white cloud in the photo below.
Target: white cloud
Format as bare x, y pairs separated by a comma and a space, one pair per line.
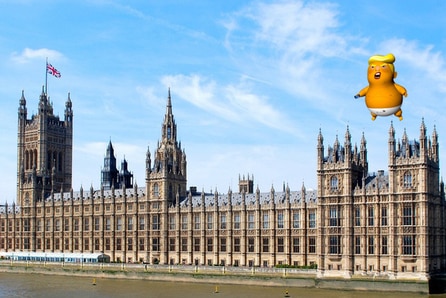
30, 54
236, 103
423, 58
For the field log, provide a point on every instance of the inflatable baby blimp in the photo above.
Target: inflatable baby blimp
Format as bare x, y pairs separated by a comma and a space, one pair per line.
383, 96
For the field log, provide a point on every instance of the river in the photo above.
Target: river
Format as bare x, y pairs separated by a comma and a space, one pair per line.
41, 285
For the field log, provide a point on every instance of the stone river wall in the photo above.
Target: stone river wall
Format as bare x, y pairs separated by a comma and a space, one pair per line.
217, 275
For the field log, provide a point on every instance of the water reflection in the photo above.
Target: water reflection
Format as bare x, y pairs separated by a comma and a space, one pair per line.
39, 285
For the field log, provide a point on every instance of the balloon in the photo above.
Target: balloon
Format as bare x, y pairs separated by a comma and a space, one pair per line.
383, 97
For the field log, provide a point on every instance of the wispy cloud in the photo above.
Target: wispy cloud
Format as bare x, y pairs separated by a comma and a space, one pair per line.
423, 58
289, 44
28, 55
233, 102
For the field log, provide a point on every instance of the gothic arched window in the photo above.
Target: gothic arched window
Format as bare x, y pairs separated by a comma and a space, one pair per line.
407, 180
156, 191
334, 183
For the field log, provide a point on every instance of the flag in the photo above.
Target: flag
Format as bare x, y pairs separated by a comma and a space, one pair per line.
52, 70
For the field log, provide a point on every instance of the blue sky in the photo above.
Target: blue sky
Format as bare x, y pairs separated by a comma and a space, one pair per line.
252, 82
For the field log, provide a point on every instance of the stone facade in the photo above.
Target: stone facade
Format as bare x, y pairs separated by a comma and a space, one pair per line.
355, 222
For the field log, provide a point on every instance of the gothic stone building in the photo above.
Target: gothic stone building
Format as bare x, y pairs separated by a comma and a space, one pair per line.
355, 223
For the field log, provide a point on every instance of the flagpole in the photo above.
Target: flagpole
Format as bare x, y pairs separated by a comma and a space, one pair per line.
46, 77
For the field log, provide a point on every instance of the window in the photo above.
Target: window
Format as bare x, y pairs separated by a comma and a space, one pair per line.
384, 216
384, 245
296, 220
107, 243
129, 244
96, 223
236, 244
357, 216
251, 223
141, 244
265, 244
142, 223
38, 223
280, 244
334, 217
265, 220
118, 244
408, 216
48, 225
184, 222
57, 225
130, 223
223, 221
107, 223
76, 224
334, 245
210, 221
171, 244
296, 245
155, 244
357, 245
118, 223
66, 244
312, 219
334, 183
66, 224
237, 221
86, 224
371, 245
156, 191
96, 244
196, 244
371, 216
407, 180
408, 245
155, 223
223, 244
184, 244
280, 220
251, 244
312, 245
86, 243
197, 223
172, 222
210, 244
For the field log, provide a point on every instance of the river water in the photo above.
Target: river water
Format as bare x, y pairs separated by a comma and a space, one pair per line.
48, 286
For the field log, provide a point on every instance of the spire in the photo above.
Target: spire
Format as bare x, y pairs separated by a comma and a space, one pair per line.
22, 99
422, 129
391, 132
169, 133
22, 106
348, 136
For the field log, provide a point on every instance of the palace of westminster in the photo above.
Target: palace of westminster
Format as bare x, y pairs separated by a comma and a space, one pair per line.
389, 223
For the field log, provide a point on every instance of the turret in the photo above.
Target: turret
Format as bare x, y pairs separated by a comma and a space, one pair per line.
392, 148
68, 112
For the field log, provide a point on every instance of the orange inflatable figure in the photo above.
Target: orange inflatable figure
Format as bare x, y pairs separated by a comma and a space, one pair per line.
383, 96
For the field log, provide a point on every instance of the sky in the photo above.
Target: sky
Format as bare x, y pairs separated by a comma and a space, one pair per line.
252, 82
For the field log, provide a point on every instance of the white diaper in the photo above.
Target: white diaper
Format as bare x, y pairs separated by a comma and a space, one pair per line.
385, 111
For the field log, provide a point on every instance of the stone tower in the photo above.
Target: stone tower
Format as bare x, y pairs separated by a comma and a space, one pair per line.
110, 176
343, 169
44, 151
167, 178
109, 173
166, 183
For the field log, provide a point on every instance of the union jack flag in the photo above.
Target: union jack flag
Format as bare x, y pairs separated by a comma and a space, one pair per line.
52, 70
